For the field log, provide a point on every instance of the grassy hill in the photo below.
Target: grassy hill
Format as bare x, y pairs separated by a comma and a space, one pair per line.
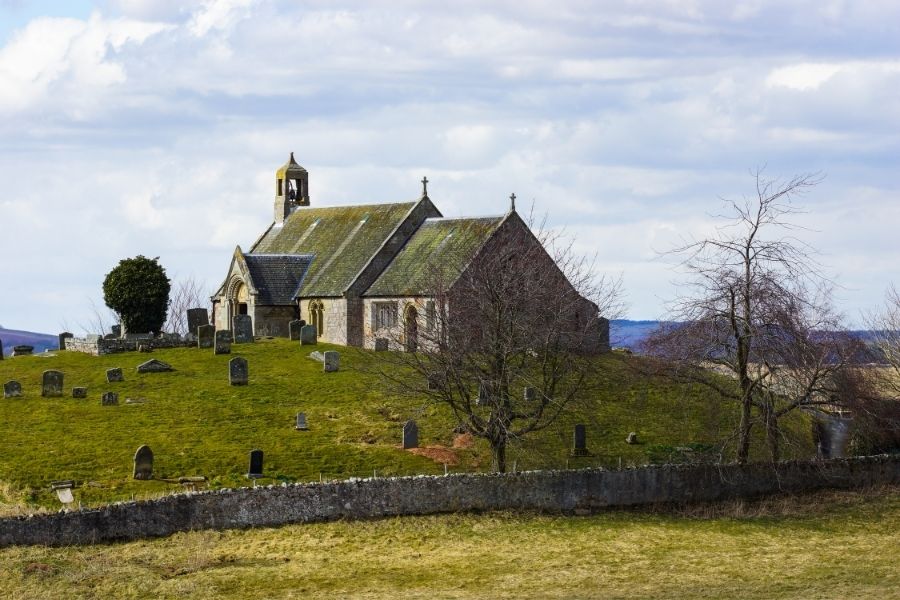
197, 424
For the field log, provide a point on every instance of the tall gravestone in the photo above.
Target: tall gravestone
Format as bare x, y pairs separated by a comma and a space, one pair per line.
12, 389
114, 375
579, 443
242, 326
195, 318
62, 339
484, 394
308, 335
223, 342
206, 335
143, 463
109, 399
294, 328
410, 435
256, 464
301, 422
52, 384
332, 361
238, 373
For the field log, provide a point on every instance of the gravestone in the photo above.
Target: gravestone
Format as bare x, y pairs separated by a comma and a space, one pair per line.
308, 335
64, 494
242, 326
579, 445
529, 394
237, 371
62, 339
632, 438
223, 342
484, 394
23, 350
12, 389
114, 375
205, 336
332, 361
434, 381
381, 344
410, 435
294, 328
154, 366
145, 348
195, 318
301, 422
79, 392
116, 331
256, 464
143, 463
52, 384
109, 399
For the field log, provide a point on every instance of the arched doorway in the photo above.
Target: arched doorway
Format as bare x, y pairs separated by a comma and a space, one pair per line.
241, 300
411, 328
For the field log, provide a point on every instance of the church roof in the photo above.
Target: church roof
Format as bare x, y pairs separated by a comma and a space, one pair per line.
440, 248
277, 277
342, 238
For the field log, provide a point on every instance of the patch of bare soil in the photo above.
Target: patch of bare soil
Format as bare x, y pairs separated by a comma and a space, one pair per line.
463, 440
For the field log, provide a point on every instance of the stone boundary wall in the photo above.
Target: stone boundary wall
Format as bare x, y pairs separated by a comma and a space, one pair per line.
104, 346
553, 491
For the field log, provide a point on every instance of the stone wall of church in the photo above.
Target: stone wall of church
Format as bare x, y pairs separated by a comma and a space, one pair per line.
272, 320
335, 317
396, 334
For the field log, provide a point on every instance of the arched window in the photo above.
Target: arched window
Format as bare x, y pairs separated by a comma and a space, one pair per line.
317, 316
411, 328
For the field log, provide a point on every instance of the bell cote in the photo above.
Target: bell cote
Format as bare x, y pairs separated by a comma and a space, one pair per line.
291, 189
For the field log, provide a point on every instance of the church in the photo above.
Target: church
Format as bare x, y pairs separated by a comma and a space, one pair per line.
359, 273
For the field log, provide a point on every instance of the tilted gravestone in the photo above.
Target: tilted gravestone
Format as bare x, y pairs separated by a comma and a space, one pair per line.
308, 335
154, 366
79, 392
579, 445
410, 435
195, 318
223, 342
143, 463
529, 394
631, 438
237, 371
52, 384
381, 344
114, 375
301, 422
62, 339
12, 389
294, 328
206, 336
332, 361
109, 399
256, 464
242, 326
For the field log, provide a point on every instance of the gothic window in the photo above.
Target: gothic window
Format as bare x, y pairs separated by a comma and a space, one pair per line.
317, 316
429, 316
384, 314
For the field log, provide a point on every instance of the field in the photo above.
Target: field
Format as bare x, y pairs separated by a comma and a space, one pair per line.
826, 545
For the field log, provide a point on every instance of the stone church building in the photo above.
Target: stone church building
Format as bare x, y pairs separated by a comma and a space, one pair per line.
356, 272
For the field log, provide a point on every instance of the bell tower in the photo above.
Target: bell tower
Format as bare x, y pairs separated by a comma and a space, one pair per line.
291, 189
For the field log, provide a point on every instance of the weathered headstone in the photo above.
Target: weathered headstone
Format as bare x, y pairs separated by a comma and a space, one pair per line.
381, 344
23, 350
484, 394
434, 381
79, 392
632, 438
332, 361
529, 394
143, 463
242, 326
109, 399
62, 339
114, 375
195, 318
579, 445
237, 371
206, 336
256, 464
294, 328
308, 335
116, 330
301, 422
154, 366
410, 435
52, 384
12, 389
64, 494
223, 342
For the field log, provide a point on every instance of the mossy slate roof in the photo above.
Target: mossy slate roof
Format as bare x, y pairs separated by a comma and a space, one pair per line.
277, 277
440, 248
341, 238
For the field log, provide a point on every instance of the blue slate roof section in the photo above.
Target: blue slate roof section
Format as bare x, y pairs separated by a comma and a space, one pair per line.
277, 277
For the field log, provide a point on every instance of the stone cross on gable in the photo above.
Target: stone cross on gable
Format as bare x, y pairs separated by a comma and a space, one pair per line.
424, 186
512, 203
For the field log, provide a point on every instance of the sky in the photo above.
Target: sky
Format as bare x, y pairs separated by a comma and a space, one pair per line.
155, 127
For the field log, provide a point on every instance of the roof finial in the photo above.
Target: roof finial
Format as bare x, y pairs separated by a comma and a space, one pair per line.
292, 158
424, 187
512, 203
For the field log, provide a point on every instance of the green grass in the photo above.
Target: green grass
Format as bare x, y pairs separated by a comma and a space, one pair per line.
197, 424
826, 545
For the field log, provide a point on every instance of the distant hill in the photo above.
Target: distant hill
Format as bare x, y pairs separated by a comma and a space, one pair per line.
629, 334
40, 341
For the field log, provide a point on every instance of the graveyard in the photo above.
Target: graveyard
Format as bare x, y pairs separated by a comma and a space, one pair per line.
202, 418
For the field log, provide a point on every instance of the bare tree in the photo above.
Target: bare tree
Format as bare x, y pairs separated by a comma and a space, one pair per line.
876, 411
505, 339
186, 293
757, 308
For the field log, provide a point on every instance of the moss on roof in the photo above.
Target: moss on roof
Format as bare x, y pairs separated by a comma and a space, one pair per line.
342, 238
440, 248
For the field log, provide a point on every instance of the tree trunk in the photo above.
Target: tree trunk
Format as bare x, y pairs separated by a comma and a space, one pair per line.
498, 455
743, 452
772, 432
